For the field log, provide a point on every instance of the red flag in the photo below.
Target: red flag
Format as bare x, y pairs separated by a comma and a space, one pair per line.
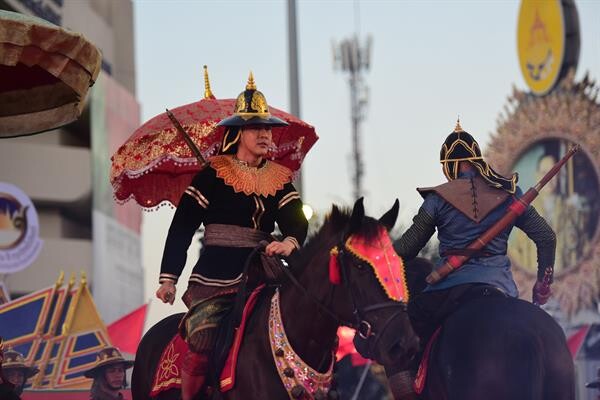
126, 332
575, 341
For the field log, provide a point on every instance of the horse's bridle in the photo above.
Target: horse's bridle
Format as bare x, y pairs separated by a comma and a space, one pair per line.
360, 324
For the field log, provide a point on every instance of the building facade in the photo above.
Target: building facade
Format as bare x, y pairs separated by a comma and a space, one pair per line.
65, 171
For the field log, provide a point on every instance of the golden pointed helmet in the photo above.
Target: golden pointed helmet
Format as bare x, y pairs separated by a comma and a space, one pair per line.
251, 108
15, 360
105, 357
460, 146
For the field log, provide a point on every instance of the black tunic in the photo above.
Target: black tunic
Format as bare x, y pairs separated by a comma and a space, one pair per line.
223, 193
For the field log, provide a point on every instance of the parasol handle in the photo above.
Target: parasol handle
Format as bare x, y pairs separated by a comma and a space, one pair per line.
188, 140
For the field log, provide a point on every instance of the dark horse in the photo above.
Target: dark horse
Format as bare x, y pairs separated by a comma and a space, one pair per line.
496, 348
312, 309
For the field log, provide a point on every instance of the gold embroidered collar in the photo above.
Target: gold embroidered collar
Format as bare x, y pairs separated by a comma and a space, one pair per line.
264, 180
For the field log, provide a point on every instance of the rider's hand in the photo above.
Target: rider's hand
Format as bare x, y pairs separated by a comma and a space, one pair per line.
541, 293
166, 292
283, 248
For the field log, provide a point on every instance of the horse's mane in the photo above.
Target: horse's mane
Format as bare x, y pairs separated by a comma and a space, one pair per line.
334, 229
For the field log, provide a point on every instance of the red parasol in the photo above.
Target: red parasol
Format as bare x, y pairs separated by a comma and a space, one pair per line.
155, 164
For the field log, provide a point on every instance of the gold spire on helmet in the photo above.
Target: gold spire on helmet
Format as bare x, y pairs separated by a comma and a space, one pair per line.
251, 85
458, 128
208, 94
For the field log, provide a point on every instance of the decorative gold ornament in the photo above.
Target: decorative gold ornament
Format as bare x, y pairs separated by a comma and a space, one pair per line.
458, 128
251, 85
259, 103
208, 94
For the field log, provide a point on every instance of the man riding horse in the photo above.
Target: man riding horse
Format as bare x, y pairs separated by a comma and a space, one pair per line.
238, 196
474, 198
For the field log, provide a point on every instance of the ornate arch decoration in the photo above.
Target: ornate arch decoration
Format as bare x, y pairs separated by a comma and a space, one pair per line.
568, 114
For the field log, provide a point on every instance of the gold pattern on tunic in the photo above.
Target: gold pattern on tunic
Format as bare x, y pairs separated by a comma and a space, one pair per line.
197, 195
215, 282
265, 180
170, 277
287, 198
260, 210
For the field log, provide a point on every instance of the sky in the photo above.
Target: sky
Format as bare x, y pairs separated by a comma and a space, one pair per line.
430, 62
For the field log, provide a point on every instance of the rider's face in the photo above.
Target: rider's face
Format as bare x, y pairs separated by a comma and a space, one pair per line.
256, 140
115, 374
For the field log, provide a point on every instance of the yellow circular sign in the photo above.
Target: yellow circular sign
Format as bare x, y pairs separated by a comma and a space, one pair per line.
541, 43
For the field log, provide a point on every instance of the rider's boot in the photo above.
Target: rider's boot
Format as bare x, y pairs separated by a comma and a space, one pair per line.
401, 385
193, 374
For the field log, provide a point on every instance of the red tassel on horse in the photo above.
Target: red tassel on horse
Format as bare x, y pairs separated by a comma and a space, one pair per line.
334, 267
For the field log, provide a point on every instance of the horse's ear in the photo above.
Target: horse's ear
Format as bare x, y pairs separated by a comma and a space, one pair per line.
389, 218
358, 214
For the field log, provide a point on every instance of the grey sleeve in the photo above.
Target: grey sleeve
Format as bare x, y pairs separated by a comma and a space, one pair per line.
538, 230
416, 237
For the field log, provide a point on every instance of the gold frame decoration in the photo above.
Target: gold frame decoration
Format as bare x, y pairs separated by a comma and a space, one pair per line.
570, 112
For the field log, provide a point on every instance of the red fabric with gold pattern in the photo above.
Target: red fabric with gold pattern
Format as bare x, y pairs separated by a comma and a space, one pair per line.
155, 164
168, 373
388, 267
421, 377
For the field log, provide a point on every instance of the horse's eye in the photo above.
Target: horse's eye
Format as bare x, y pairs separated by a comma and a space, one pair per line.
359, 265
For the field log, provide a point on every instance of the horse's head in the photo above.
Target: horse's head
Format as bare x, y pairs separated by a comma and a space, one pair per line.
372, 276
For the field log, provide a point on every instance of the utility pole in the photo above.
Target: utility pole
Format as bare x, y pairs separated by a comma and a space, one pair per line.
353, 58
293, 70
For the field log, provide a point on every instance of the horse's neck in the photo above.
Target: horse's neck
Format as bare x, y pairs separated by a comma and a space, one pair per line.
311, 332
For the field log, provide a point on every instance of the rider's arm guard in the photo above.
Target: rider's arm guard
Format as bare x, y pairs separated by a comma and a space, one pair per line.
538, 230
416, 237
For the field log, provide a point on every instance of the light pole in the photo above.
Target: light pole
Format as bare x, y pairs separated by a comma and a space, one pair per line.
293, 70
352, 57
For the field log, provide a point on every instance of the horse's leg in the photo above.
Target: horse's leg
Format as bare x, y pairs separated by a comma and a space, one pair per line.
559, 373
140, 379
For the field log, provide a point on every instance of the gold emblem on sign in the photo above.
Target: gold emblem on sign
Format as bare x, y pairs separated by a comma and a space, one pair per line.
541, 43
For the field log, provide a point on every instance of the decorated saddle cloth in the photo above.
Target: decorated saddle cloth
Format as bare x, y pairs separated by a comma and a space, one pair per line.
168, 372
